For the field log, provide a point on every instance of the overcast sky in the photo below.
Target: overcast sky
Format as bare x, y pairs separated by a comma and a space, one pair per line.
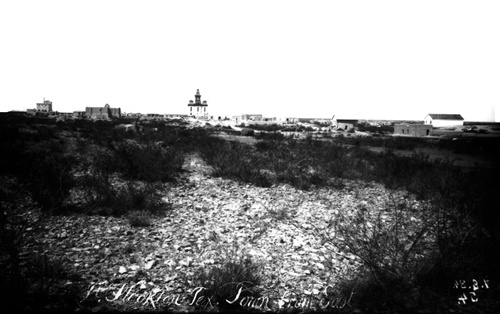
353, 59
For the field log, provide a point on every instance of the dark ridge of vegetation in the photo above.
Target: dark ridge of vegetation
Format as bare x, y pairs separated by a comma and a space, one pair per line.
89, 161
278, 127
399, 143
270, 136
264, 127
461, 144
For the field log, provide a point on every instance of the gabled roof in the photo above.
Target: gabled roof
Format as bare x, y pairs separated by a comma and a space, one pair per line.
441, 116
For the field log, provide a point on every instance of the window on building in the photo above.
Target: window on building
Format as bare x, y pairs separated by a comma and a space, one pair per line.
403, 131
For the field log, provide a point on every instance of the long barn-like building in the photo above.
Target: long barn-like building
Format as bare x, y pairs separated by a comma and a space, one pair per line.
443, 120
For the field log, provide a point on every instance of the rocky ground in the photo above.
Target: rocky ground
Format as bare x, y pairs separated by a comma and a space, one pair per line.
212, 220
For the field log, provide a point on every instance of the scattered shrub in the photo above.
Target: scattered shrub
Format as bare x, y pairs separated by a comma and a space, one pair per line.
269, 136
139, 218
50, 284
279, 214
236, 274
396, 245
129, 248
44, 271
48, 174
148, 162
265, 127
234, 160
247, 132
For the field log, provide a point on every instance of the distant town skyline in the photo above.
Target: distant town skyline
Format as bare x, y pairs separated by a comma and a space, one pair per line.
363, 59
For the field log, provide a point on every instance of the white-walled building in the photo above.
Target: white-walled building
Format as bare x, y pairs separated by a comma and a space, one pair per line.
344, 124
443, 120
197, 108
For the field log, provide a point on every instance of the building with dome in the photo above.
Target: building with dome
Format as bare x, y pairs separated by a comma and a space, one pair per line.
197, 108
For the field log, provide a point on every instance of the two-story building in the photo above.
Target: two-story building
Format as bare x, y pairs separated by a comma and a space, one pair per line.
105, 112
197, 108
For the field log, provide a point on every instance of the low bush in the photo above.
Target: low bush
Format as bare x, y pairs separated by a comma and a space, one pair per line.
138, 196
234, 160
148, 162
397, 246
236, 277
101, 188
139, 218
265, 127
247, 132
43, 272
269, 136
50, 284
47, 173
389, 143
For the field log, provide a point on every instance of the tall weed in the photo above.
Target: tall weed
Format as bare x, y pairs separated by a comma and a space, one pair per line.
235, 275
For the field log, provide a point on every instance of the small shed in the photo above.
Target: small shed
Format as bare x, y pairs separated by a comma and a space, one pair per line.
413, 129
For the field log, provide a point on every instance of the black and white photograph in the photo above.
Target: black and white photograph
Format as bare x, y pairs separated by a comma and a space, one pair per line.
275, 156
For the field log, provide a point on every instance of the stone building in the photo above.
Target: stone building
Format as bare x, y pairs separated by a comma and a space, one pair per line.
247, 118
345, 124
288, 119
78, 114
197, 108
105, 112
45, 106
413, 129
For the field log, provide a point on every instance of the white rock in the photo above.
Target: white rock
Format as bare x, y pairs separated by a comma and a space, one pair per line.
320, 266
149, 264
134, 267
